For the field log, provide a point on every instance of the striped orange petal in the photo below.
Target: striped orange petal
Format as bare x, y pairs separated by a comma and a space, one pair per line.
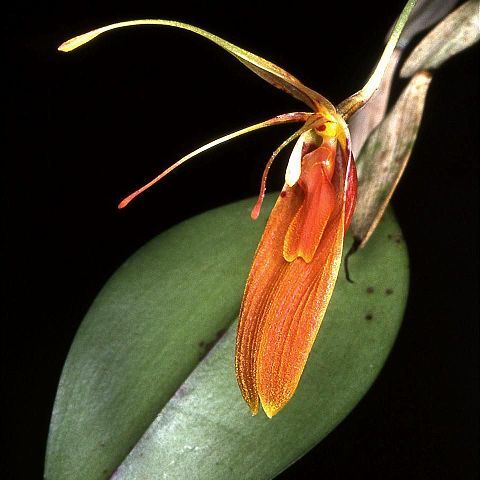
292, 278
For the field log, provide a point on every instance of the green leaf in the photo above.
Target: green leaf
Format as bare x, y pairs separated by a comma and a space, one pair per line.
133, 357
455, 33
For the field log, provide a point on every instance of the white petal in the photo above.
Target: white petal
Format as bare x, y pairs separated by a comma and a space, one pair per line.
294, 167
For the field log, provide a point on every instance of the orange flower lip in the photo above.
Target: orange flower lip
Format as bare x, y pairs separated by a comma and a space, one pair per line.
293, 275
308, 225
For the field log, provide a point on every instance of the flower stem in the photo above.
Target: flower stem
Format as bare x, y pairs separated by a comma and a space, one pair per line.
356, 101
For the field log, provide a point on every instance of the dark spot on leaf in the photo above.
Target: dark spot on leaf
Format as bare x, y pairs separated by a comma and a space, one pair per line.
370, 290
181, 392
389, 291
368, 316
207, 346
397, 237
283, 193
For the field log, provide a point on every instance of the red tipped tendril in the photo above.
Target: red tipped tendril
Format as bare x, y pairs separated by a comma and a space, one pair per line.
310, 123
278, 120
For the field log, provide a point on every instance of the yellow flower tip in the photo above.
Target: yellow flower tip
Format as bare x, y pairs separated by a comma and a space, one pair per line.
271, 409
78, 41
253, 405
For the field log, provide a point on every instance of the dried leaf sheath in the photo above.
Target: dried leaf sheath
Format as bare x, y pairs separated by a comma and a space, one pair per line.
285, 301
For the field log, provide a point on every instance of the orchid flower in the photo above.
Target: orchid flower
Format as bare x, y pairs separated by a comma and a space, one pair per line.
298, 259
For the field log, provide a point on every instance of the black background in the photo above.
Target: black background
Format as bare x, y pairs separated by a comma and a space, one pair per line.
84, 129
